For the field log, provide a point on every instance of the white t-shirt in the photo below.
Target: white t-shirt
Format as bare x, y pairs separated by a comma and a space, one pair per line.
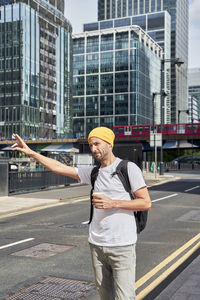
113, 227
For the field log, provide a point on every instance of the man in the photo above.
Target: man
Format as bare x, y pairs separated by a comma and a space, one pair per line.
112, 232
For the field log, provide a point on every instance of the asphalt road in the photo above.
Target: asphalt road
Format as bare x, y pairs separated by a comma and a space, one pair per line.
173, 220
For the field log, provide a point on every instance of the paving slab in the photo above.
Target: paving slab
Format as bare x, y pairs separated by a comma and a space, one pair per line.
185, 286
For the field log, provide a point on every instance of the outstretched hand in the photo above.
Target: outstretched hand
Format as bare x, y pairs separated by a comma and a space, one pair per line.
20, 145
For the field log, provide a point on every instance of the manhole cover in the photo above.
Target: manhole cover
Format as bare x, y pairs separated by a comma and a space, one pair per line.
74, 226
53, 288
43, 250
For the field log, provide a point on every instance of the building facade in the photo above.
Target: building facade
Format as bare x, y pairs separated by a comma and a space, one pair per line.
116, 71
35, 69
194, 87
193, 107
158, 27
178, 10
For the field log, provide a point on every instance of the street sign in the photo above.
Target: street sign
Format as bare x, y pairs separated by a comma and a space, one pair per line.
157, 138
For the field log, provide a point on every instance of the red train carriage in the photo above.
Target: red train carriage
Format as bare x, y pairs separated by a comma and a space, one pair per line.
168, 129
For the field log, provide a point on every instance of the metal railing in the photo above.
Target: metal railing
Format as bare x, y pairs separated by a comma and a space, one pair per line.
149, 166
30, 181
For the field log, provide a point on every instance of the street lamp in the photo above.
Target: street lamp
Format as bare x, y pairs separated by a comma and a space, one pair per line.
154, 131
178, 62
192, 110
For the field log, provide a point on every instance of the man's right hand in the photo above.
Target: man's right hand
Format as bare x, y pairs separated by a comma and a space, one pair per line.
20, 145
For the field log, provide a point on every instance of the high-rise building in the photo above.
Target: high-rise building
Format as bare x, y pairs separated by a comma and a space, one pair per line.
35, 69
178, 9
116, 71
193, 108
158, 27
194, 88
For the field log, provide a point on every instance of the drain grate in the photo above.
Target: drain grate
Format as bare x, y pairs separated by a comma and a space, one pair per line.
54, 288
43, 250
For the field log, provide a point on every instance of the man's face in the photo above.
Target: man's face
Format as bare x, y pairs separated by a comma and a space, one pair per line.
99, 148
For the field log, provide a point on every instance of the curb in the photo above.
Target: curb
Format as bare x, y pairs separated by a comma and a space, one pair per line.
156, 280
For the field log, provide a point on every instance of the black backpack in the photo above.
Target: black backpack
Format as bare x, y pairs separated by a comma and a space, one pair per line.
122, 172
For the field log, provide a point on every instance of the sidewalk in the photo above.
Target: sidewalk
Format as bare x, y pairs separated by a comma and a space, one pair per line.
51, 197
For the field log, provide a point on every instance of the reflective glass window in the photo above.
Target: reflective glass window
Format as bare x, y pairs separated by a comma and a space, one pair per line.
156, 21
119, 9
78, 85
106, 24
121, 82
147, 6
158, 5
130, 8
121, 120
106, 84
106, 62
92, 106
121, 104
91, 123
78, 127
107, 42
106, 122
92, 85
78, 45
78, 62
78, 106
122, 22
121, 60
136, 7
133, 60
140, 21
141, 6
93, 44
121, 40
90, 27
106, 105
92, 63
134, 42
133, 103
153, 5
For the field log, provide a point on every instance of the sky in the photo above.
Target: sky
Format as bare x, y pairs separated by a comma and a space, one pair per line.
79, 12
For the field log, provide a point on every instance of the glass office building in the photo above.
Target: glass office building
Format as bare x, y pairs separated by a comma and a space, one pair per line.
158, 26
115, 73
178, 10
194, 87
35, 69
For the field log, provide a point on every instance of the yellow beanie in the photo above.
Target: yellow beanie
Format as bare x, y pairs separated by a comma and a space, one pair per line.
103, 133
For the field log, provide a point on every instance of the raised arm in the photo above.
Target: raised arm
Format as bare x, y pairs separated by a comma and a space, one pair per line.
49, 163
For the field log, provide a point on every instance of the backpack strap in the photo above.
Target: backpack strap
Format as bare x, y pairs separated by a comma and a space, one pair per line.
122, 172
93, 177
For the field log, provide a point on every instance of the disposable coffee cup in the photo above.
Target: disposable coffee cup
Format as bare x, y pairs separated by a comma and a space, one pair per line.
98, 193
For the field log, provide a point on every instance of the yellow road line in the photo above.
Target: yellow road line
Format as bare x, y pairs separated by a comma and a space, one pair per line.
165, 274
166, 261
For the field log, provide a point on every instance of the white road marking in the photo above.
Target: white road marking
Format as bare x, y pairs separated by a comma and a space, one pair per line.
160, 199
85, 222
16, 243
195, 187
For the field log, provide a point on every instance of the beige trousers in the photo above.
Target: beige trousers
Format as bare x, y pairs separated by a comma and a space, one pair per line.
114, 270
